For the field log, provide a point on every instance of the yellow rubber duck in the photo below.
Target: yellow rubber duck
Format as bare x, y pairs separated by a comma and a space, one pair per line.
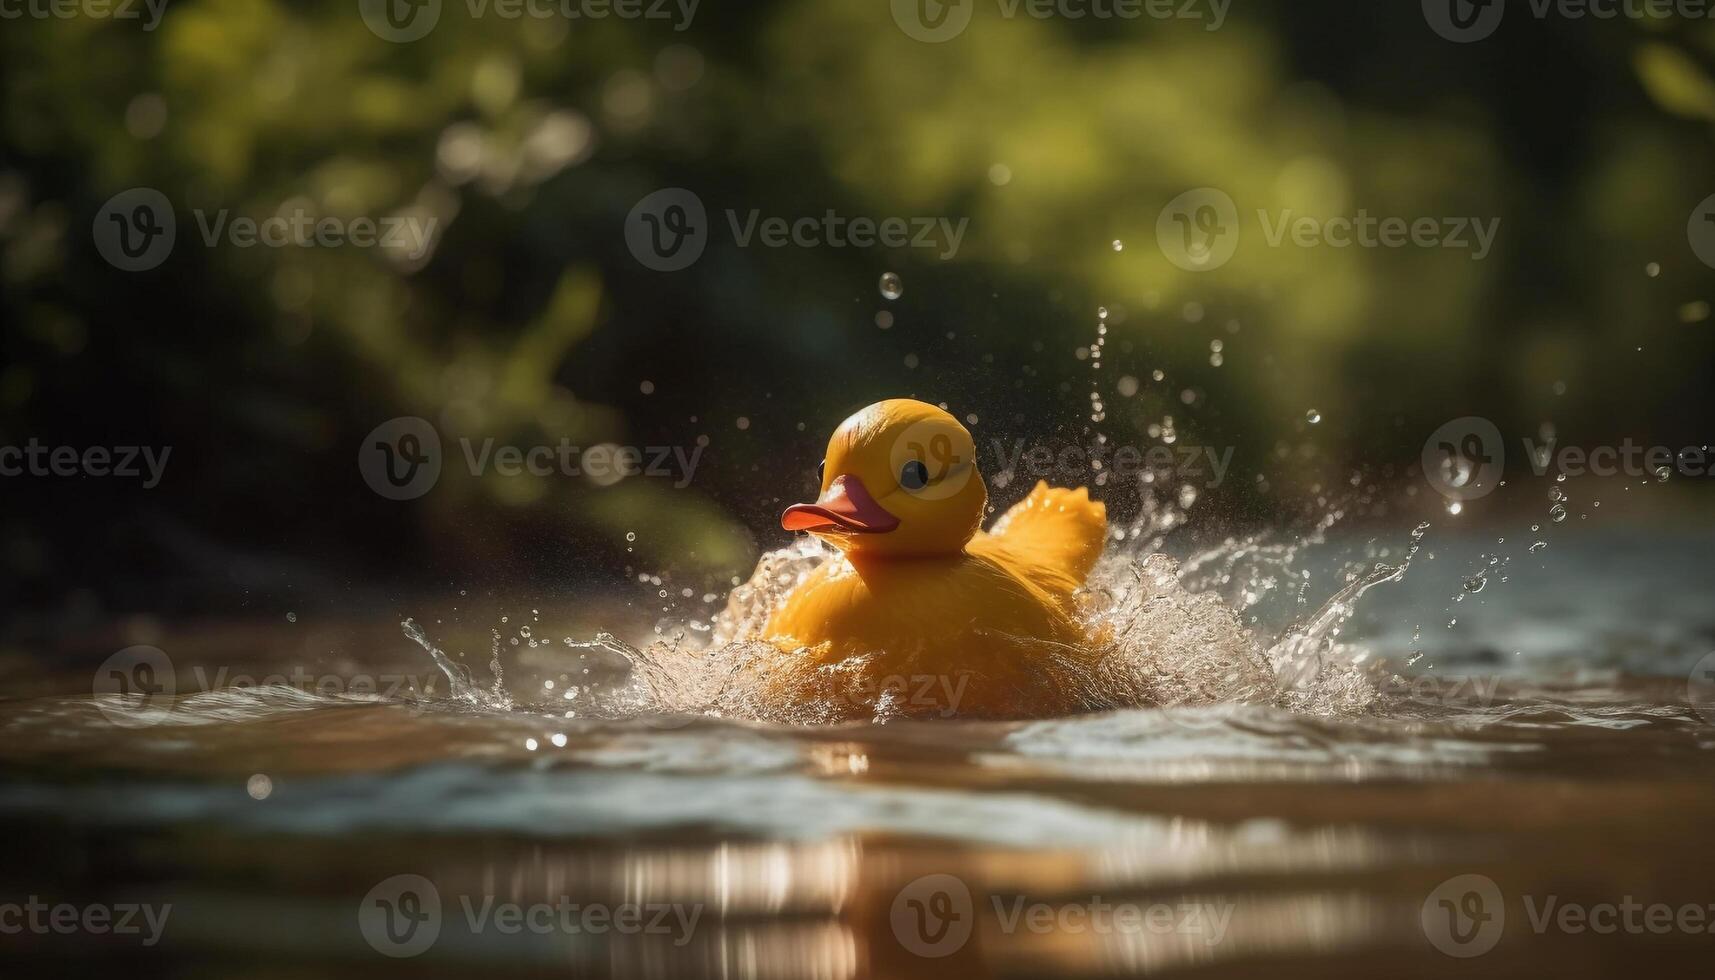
947, 619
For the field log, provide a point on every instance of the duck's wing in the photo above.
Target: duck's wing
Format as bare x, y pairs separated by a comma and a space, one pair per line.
1054, 536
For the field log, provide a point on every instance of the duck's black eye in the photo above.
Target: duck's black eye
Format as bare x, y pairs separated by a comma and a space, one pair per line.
914, 475
821, 472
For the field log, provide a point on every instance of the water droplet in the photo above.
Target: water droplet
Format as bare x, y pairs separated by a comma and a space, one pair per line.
647, 387
1557, 513
1475, 583
1538, 547
1455, 508
1662, 474
291, 617
1119, 246
1313, 416
891, 287
260, 787
631, 535
558, 739
530, 744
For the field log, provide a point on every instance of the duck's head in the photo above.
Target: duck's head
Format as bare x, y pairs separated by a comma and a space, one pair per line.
899, 480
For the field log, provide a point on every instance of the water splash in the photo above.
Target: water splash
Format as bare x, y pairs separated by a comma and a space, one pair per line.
463, 688
1161, 633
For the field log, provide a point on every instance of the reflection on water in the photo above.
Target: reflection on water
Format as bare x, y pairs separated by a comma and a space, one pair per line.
1302, 835
1139, 842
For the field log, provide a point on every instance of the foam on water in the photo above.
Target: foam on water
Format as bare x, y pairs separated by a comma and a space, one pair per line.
1160, 634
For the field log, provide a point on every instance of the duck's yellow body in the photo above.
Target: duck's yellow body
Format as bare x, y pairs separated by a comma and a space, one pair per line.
931, 604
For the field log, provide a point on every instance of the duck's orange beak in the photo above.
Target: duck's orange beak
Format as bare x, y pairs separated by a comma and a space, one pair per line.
845, 506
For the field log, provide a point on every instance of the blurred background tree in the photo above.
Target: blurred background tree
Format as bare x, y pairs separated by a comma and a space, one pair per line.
527, 321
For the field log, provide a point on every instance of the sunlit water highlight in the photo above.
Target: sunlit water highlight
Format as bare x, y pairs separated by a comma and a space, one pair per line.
1311, 764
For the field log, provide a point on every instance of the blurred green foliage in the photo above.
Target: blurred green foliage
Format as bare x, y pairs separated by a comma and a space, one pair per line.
529, 140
